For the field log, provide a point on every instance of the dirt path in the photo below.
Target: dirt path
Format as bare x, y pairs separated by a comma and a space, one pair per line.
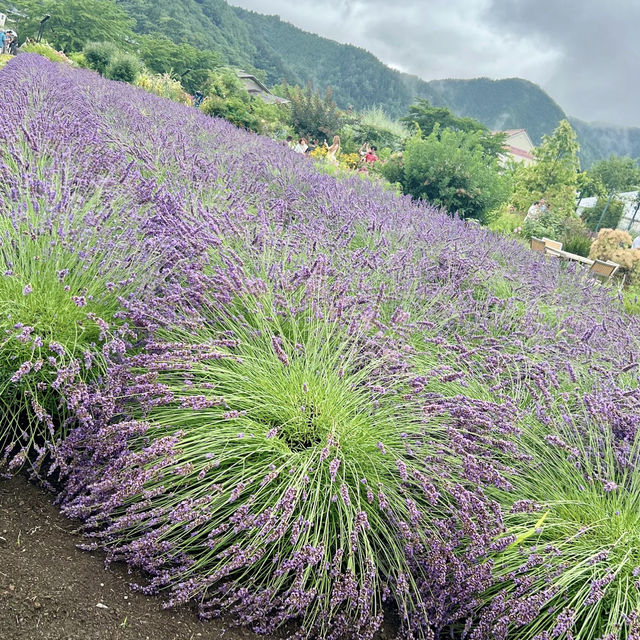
49, 590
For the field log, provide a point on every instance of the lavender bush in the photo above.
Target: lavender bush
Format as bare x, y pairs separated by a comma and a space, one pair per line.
274, 472
366, 336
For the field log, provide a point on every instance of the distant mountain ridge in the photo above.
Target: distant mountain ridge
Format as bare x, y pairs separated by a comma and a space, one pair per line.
278, 51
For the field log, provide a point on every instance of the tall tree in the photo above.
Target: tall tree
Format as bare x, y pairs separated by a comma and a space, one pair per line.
449, 168
428, 118
72, 23
617, 173
191, 65
554, 176
312, 115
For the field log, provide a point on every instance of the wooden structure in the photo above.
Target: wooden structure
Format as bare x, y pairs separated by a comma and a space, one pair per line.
538, 245
552, 244
603, 269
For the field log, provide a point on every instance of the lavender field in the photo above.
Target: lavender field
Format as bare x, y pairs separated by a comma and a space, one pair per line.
304, 404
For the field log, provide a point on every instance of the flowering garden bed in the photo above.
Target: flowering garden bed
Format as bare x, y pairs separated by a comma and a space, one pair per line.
303, 403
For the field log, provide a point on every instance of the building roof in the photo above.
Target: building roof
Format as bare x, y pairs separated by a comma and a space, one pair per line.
259, 89
519, 152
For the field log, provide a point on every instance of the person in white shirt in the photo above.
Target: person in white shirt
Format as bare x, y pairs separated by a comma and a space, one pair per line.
301, 147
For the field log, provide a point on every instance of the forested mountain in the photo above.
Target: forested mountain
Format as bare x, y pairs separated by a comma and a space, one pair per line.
511, 103
276, 51
206, 24
599, 140
359, 79
356, 76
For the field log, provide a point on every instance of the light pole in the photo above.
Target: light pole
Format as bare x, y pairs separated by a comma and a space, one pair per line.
39, 38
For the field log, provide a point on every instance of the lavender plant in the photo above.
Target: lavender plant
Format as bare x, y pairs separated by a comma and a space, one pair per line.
572, 570
269, 475
269, 299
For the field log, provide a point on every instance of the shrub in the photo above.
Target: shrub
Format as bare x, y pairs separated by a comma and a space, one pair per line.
574, 525
233, 109
123, 67
576, 237
46, 50
612, 244
58, 308
163, 85
377, 128
271, 119
269, 475
450, 169
78, 58
549, 224
313, 116
505, 220
580, 245
99, 55
393, 169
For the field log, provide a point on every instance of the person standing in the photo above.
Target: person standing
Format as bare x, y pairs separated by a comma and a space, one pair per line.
534, 212
333, 150
3, 41
13, 43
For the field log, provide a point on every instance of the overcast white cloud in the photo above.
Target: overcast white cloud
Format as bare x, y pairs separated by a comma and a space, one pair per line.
583, 52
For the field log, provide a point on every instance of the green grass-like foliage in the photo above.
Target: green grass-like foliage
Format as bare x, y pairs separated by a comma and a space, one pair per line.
59, 289
575, 560
46, 50
288, 475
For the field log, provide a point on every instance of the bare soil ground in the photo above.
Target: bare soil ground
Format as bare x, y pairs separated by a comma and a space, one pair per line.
50, 590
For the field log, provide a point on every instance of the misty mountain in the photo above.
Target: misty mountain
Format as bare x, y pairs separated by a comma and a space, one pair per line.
276, 50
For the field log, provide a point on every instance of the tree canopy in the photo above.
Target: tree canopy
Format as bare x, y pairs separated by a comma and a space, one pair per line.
450, 168
617, 173
312, 115
75, 22
428, 118
553, 177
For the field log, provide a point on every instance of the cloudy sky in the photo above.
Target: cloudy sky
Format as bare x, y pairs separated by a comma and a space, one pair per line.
584, 53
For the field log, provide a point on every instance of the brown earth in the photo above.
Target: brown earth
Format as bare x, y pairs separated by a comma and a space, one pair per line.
50, 590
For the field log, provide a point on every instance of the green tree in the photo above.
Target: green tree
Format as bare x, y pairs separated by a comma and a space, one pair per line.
589, 185
313, 116
611, 207
375, 127
450, 168
75, 22
124, 67
554, 176
227, 98
163, 55
98, 55
224, 83
617, 173
427, 118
